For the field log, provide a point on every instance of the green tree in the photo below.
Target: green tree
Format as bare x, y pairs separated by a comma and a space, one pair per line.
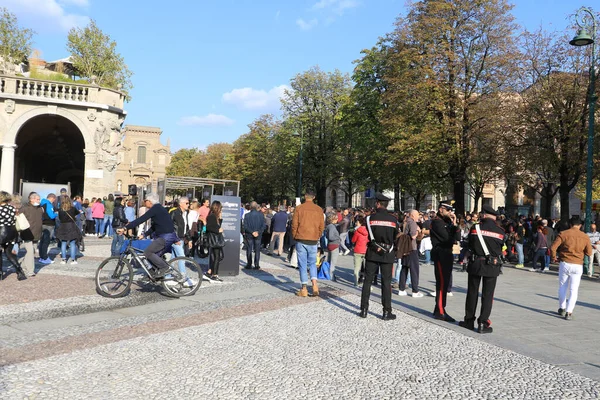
94, 54
180, 162
448, 55
313, 107
551, 116
364, 147
15, 42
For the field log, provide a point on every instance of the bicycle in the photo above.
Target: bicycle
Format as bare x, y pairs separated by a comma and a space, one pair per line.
114, 275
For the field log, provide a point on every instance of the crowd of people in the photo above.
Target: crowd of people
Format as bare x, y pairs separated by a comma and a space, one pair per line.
391, 246
315, 237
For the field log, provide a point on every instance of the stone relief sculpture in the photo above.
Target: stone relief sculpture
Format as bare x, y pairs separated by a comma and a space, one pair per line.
108, 143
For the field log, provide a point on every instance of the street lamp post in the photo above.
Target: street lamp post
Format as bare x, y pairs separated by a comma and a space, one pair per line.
299, 189
583, 38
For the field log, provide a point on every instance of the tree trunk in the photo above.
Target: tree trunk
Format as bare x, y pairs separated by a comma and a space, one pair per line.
402, 201
477, 196
349, 204
322, 195
459, 196
397, 197
564, 200
546, 206
418, 201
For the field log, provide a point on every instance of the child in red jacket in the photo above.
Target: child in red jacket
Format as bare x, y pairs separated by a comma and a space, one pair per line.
360, 240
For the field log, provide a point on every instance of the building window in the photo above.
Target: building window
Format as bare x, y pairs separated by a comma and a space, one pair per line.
141, 155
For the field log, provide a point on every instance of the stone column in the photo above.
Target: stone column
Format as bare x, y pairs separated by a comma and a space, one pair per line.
7, 168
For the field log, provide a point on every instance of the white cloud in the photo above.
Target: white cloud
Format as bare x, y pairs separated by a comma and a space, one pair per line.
256, 99
78, 3
48, 13
306, 26
337, 6
206, 120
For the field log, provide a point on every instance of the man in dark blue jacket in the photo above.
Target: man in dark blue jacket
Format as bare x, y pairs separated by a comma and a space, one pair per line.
162, 231
254, 226
278, 226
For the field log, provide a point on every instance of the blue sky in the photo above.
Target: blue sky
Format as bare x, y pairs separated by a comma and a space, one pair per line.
205, 69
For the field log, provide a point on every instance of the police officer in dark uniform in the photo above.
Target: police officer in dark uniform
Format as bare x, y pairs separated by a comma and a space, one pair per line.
483, 267
444, 234
383, 228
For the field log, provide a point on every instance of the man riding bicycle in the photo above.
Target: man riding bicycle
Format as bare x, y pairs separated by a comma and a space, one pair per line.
162, 231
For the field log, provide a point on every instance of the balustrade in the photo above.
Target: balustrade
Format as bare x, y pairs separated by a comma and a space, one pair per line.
54, 90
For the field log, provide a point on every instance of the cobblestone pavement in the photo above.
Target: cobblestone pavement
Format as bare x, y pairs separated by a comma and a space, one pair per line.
250, 337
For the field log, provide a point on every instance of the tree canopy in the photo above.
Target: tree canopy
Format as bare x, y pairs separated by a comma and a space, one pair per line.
15, 41
94, 54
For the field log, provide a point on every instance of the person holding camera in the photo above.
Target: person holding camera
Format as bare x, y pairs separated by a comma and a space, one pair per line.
444, 234
485, 241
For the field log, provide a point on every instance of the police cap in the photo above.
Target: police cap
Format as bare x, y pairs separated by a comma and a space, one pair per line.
487, 209
381, 197
447, 204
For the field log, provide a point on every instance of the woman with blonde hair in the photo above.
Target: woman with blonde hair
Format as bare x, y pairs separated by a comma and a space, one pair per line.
68, 232
8, 234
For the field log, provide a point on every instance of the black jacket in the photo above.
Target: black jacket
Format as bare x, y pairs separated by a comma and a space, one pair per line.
443, 234
385, 229
213, 224
119, 219
180, 222
493, 237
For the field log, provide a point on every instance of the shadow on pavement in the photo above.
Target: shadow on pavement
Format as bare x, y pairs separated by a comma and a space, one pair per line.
579, 303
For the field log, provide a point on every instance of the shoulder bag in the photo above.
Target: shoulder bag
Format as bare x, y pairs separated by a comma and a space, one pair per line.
215, 240
22, 223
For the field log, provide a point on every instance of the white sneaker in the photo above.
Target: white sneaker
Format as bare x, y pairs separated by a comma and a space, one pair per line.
73, 262
449, 294
189, 283
402, 293
347, 252
418, 294
63, 262
171, 283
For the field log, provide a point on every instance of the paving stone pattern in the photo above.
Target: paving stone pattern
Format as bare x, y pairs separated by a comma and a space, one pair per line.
251, 338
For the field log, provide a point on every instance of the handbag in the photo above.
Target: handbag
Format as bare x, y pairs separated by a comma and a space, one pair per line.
22, 223
456, 248
215, 240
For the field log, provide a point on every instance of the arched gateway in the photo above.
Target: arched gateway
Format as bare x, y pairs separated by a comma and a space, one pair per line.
57, 132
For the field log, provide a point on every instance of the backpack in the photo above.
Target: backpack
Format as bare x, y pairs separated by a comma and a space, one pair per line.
323, 272
403, 245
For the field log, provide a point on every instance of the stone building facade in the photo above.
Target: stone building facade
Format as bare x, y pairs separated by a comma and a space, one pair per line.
59, 133
142, 159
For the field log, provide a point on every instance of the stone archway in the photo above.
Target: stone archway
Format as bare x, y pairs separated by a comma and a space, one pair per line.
50, 148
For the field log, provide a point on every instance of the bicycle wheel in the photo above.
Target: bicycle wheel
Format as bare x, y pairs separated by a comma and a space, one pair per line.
184, 278
114, 277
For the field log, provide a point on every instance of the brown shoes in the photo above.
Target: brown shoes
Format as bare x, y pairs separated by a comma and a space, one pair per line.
302, 292
315, 289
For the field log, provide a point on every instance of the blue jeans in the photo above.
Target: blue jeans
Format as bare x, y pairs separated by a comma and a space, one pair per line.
73, 250
427, 257
541, 255
520, 255
99, 226
307, 258
117, 243
396, 278
177, 251
108, 220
